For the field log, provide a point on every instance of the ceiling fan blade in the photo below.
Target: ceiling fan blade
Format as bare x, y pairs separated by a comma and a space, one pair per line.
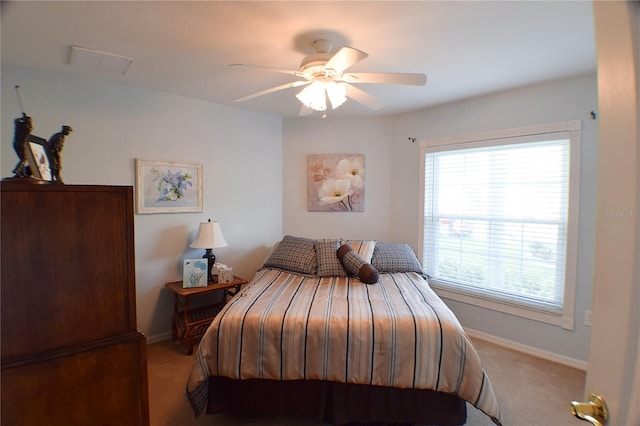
385, 78
363, 97
274, 89
344, 58
280, 70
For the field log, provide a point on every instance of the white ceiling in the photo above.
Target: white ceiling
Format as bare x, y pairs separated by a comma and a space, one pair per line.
184, 47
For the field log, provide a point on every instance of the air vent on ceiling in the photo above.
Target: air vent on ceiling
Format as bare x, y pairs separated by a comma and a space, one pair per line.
99, 61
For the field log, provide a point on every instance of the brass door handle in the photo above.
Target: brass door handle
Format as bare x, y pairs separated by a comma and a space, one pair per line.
594, 411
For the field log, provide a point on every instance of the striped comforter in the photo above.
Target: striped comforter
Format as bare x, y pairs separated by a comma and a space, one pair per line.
397, 332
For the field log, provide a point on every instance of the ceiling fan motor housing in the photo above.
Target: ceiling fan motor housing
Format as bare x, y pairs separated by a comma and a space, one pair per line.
314, 65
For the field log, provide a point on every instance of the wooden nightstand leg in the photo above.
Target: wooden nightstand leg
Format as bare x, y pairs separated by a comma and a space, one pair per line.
189, 344
187, 333
176, 326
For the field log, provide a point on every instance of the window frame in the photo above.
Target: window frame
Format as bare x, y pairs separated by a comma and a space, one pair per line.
564, 319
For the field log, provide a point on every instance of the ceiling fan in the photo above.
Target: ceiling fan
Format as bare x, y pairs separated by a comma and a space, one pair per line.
323, 74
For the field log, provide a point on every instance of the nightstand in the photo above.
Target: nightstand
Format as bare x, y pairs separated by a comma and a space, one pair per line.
190, 324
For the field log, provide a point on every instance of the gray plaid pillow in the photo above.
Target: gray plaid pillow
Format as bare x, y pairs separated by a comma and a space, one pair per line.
294, 254
395, 257
328, 263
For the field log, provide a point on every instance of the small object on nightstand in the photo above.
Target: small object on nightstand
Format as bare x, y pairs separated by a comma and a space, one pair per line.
225, 273
209, 236
194, 273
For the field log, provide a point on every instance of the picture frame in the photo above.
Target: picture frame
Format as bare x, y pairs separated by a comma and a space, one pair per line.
335, 182
36, 150
194, 273
168, 187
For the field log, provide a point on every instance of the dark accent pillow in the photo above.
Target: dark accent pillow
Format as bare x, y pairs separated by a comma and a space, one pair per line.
363, 248
395, 257
356, 265
294, 254
328, 263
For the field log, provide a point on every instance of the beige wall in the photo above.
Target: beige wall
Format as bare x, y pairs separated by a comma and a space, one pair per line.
392, 208
371, 137
114, 124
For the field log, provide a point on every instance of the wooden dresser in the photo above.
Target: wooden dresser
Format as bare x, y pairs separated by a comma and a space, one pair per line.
71, 352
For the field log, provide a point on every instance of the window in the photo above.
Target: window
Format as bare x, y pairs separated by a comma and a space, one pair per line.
500, 219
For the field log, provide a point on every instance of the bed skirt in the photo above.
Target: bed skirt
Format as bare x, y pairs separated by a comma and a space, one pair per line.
334, 403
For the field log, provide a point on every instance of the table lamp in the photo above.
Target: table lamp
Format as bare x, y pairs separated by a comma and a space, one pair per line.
209, 236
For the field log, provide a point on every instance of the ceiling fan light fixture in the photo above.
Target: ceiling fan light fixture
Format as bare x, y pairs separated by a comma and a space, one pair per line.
313, 96
337, 93
323, 74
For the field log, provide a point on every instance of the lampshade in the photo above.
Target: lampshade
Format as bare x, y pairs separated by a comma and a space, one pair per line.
314, 96
337, 93
209, 236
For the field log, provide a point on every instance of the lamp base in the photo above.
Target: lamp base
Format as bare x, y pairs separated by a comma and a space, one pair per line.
211, 260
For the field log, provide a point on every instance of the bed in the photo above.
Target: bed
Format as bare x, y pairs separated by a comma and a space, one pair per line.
340, 332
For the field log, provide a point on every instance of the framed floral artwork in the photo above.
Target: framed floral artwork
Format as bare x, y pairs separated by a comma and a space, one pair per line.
194, 273
335, 182
168, 187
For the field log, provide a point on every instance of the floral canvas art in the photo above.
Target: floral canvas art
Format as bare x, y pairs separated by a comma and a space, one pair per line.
335, 182
168, 187
194, 273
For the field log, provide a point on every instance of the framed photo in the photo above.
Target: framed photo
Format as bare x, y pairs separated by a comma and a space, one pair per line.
168, 187
38, 157
194, 273
335, 182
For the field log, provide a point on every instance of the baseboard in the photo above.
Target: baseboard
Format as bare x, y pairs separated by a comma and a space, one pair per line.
529, 350
157, 338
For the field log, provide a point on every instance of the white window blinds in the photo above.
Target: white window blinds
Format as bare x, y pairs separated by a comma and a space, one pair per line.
496, 218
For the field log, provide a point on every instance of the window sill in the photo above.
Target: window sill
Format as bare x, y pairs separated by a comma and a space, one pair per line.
513, 308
